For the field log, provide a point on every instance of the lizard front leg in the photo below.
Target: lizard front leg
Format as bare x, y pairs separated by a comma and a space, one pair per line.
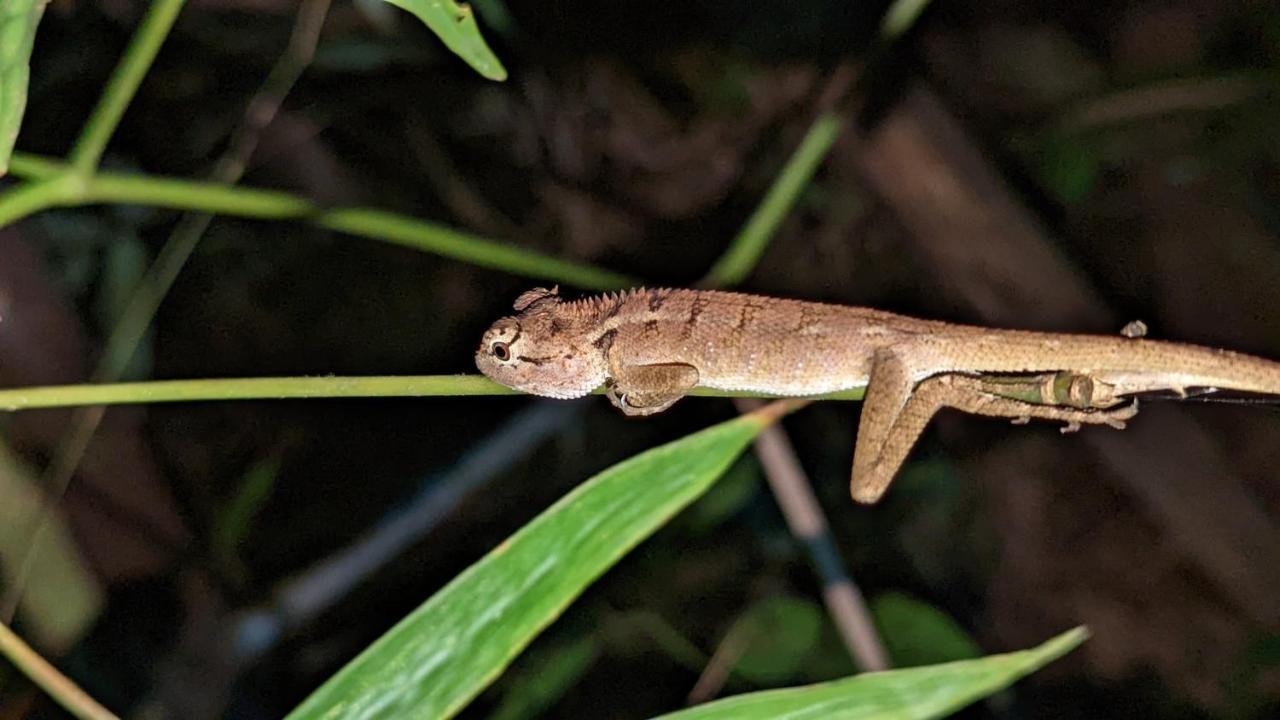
894, 414
649, 389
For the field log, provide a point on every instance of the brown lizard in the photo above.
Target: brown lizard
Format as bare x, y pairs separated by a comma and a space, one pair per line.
650, 347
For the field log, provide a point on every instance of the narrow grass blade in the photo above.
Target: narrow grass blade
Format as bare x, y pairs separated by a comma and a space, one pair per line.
455, 24
745, 251
45, 676
58, 188
439, 657
265, 388
18, 21
915, 694
123, 84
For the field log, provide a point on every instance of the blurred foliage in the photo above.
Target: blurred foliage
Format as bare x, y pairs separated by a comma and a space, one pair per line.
917, 633
234, 522
63, 599
774, 638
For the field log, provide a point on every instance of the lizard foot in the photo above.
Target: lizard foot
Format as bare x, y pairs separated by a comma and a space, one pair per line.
649, 389
1023, 420
1111, 418
623, 401
1075, 418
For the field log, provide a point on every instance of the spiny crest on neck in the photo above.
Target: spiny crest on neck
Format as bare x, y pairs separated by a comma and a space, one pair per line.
609, 300
541, 299
536, 298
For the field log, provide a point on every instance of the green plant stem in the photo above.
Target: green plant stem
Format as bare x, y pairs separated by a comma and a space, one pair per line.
123, 85
280, 388
36, 166
32, 197
46, 676
744, 252
222, 199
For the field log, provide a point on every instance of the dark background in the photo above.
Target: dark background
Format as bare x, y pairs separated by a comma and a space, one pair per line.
1051, 165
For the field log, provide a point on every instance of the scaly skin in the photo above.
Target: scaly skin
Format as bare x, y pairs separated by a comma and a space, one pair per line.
652, 346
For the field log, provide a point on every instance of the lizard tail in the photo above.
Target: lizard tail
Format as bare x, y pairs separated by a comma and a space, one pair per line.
1129, 365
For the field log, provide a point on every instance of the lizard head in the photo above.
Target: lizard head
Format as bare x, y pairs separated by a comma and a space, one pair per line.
540, 350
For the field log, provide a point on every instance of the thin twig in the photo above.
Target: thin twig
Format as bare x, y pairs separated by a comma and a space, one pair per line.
790, 486
794, 492
718, 668
58, 686
1140, 104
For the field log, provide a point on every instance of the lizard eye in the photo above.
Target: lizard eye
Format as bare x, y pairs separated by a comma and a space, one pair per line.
500, 351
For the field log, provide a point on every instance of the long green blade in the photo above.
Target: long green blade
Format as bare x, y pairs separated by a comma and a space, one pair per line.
281, 388
914, 694
455, 24
749, 245
444, 653
18, 21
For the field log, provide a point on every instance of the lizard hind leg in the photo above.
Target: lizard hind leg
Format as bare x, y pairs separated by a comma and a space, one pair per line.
885, 431
877, 459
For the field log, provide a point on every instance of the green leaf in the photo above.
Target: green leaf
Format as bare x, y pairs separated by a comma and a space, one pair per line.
779, 634
746, 249
438, 658
18, 21
917, 633
455, 24
925, 692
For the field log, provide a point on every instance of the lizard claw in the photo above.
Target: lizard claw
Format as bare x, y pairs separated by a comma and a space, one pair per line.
1117, 418
1126, 412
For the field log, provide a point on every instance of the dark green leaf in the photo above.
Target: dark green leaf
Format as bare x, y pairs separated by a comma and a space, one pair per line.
917, 633
439, 657
779, 634
912, 694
